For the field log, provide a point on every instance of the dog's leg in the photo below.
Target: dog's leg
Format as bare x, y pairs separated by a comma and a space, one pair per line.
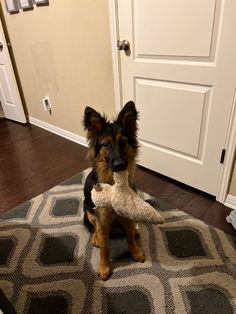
103, 226
135, 250
95, 238
90, 221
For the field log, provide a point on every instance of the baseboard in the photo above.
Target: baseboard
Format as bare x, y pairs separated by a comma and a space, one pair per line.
62, 132
230, 201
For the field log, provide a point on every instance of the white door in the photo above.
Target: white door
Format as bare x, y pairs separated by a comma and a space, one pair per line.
181, 73
9, 93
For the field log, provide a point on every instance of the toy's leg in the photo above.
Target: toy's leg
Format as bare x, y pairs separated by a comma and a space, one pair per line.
135, 250
103, 226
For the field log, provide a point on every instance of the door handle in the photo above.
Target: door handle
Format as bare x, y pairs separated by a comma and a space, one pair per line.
1, 46
123, 45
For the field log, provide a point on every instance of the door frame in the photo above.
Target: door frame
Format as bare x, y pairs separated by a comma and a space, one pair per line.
230, 141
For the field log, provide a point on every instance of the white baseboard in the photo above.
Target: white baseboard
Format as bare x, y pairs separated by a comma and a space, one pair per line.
230, 201
62, 132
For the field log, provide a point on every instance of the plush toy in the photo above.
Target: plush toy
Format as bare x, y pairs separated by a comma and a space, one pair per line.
124, 200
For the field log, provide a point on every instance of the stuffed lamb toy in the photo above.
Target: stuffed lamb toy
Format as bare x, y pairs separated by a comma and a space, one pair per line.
124, 201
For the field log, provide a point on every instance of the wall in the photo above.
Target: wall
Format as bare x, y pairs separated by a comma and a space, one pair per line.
64, 51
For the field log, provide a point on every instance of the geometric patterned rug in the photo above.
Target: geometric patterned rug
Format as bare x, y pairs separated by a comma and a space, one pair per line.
48, 264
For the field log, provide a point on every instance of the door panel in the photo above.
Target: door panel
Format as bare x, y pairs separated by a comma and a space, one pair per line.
180, 114
186, 30
5, 88
179, 73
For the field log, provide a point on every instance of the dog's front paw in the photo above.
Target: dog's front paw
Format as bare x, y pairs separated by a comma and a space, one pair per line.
104, 271
138, 254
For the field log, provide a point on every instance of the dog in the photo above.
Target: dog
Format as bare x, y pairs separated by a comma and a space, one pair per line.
113, 146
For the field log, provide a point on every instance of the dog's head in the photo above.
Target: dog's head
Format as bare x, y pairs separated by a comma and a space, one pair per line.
113, 143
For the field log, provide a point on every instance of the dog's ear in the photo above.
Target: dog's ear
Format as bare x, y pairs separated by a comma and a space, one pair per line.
93, 121
128, 117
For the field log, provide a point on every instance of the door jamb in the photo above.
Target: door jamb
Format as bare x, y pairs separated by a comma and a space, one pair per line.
230, 146
230, 143
114, 30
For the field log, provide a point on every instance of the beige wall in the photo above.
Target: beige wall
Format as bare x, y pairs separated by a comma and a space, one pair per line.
64, 51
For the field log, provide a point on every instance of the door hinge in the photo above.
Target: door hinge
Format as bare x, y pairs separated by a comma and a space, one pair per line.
222, 158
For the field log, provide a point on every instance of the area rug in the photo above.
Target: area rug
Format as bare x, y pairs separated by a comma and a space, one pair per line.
48, 264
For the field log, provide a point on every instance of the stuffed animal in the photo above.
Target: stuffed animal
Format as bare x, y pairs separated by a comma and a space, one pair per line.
124, 200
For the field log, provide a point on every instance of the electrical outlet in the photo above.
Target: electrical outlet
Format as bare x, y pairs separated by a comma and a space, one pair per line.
47, 104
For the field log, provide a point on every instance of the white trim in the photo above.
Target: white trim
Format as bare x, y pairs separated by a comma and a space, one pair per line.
62, 132
230, 147
114, 30
230, 201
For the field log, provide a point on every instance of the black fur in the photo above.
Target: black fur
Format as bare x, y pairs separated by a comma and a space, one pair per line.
91, 180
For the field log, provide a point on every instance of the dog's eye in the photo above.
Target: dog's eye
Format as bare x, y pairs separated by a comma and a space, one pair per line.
106, 145
123, 142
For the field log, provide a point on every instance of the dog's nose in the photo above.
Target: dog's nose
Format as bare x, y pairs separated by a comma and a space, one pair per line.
118, 165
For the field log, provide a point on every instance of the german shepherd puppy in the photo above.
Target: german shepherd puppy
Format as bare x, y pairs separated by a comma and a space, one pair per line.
113, 146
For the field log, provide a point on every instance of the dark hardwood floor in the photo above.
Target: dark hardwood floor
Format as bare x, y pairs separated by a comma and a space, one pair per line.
33, 160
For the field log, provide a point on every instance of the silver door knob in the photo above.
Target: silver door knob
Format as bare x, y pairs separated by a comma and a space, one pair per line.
1, 46
123, 45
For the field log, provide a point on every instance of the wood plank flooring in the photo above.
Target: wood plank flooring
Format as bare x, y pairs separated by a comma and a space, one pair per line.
33, 160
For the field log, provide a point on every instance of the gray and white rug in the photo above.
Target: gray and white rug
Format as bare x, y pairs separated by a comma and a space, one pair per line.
48, 264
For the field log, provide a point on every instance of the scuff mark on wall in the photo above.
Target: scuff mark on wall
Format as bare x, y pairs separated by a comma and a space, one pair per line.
45, 73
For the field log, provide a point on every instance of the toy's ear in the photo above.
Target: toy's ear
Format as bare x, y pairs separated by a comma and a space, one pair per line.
93, 122
128, 117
